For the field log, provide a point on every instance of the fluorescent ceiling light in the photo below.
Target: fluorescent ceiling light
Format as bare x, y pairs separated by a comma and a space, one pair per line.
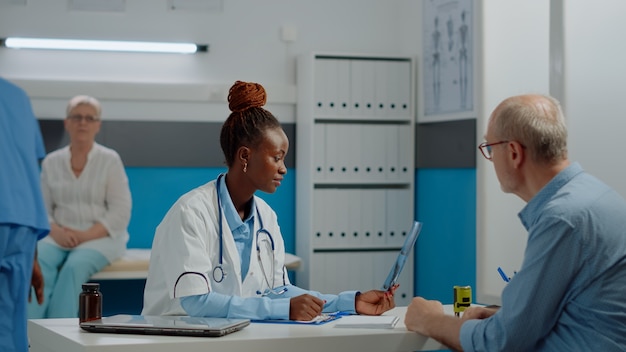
103, 45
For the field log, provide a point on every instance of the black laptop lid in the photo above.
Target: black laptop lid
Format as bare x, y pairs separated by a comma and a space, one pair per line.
165, 325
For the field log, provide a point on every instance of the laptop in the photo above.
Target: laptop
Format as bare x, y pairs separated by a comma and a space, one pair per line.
408, 245
165, 325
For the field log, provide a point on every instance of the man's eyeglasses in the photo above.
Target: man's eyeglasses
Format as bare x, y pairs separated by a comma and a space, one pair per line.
485, 148
79, 118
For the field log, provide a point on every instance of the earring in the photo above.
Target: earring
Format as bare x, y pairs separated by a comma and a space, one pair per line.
245, 167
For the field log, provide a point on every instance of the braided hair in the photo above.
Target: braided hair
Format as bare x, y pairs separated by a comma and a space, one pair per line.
248, 121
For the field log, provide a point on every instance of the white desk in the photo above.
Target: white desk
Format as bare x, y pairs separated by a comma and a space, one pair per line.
64, 335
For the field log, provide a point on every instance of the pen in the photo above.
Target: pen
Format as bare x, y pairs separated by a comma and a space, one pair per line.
504, 277
339, 313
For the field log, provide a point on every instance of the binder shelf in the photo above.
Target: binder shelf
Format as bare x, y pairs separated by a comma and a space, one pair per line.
355, 162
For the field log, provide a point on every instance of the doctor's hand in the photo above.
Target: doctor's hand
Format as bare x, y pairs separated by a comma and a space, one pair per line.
305, 307
375, 302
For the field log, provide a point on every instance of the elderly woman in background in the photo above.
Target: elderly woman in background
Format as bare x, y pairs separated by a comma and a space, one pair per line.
88, 200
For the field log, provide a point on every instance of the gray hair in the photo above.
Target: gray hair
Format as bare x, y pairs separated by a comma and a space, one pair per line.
84, 99
535, 121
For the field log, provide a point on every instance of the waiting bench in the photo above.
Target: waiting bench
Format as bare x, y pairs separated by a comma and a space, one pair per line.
134, 265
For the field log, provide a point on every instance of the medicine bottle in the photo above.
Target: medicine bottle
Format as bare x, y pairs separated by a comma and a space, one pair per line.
90, 302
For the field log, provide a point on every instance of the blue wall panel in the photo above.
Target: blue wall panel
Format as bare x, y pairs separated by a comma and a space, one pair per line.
445, 203
445, 253
155, 189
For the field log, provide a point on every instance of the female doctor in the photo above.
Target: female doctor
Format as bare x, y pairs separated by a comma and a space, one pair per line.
219, 251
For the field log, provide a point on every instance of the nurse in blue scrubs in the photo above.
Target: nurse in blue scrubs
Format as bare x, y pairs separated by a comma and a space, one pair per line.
23, 217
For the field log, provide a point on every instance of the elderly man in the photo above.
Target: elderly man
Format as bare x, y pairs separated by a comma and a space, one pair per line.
569, 293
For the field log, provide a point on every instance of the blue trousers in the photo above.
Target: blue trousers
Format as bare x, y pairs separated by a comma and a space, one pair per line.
17, 250
64, 272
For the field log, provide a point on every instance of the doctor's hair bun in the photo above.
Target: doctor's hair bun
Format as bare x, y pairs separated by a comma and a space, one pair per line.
245, 95
248, 121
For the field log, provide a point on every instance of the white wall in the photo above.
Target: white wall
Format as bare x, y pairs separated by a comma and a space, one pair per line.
245, 43
244, 39
515, 60
586, 72
595, 87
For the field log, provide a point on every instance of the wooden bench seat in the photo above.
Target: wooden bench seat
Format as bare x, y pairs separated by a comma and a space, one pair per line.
134, 265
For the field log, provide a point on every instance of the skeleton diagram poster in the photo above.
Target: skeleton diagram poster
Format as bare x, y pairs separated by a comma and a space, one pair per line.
448, 57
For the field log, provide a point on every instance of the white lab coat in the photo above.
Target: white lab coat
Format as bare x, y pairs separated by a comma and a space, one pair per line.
187, 241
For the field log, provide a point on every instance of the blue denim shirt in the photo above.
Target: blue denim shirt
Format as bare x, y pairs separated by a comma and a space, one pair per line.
569, 292
241, 230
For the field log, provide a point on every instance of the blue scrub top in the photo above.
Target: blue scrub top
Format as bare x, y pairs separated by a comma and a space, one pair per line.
21, 148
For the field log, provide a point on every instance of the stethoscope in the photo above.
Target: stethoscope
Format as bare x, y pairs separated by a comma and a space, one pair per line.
218, 272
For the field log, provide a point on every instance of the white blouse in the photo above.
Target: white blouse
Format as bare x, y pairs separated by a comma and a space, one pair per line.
100, 194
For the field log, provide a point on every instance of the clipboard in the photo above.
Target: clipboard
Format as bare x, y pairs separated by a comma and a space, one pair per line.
319, 320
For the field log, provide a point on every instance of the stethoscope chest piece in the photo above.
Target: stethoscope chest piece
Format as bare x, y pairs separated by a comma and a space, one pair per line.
218, 274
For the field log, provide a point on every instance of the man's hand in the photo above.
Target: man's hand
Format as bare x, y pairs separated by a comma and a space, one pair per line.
420, 312
478, 312
428, 318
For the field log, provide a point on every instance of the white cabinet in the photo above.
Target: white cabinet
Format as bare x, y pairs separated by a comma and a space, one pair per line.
354, 170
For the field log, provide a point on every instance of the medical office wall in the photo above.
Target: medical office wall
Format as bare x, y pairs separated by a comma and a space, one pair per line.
163, 111
568, 51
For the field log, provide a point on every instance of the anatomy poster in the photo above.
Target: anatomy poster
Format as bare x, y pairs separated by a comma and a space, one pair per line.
448, 57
